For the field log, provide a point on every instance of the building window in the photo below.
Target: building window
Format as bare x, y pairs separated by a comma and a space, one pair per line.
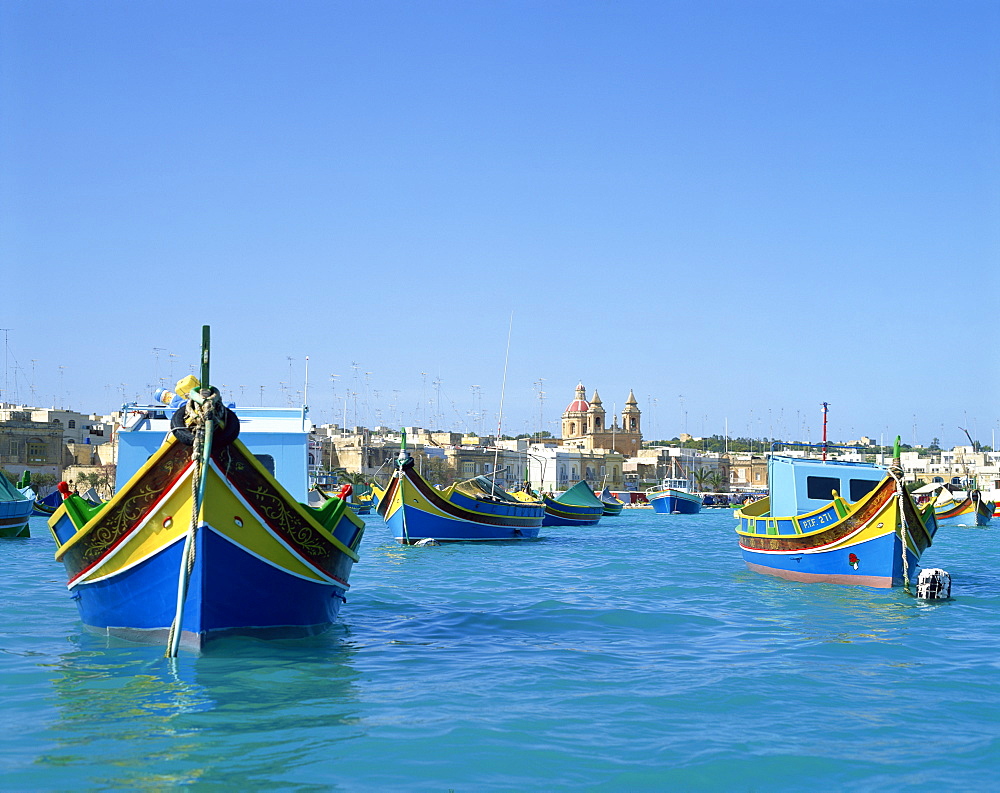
468, 468
36, 451
572, 428
598, 424
72, 424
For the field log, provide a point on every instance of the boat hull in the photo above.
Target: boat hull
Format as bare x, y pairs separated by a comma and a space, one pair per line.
560, 514
263, 565
416, 511
968, 512
14, 517
859, 544
674, 502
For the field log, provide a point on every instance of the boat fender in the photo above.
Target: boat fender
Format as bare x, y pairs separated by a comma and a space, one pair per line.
223, 437
426, 542
934, 584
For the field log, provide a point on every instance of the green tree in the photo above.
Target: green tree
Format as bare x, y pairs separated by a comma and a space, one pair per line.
701, 477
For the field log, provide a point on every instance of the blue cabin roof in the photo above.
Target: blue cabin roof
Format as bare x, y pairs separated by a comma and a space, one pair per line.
799, 485
278, 437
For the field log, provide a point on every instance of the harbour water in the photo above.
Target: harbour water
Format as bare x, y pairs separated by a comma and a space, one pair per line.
636, 655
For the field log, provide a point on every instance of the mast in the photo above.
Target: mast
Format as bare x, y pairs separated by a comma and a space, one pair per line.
826, 409
503, 387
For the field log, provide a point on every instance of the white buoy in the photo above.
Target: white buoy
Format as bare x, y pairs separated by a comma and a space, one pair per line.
425, 542
934, 584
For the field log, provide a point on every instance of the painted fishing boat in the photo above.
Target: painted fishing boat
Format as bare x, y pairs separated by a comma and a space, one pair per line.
48, 504
673, 497
612, 504
972, 510
208, 536
578, 506
16, 507
805, 530
474, 510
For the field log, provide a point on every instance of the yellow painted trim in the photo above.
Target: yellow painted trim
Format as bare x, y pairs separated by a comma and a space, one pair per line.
123, 493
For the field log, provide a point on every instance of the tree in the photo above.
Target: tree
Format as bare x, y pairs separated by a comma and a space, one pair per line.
715, 481
701, 477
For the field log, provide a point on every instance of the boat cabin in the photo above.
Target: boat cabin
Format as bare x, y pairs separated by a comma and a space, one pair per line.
278, 437
800, 485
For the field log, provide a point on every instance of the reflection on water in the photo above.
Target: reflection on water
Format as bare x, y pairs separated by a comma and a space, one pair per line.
831, 612
125, 710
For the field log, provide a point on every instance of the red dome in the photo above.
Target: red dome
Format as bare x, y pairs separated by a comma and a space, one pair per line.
578, 406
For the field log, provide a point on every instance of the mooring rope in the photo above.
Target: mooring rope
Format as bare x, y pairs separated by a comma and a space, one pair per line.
201, 415
903, 526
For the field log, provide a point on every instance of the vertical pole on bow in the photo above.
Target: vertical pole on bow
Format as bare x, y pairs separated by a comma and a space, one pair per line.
826, 409
201, 453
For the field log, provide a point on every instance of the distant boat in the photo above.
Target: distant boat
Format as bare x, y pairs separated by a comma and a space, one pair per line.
972, 510
475, 510
673, 497
578, 506
16, 507
48, 504
612, 504
806, 530
207, 537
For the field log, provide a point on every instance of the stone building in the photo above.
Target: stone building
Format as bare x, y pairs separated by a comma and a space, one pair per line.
585, 424
27, 445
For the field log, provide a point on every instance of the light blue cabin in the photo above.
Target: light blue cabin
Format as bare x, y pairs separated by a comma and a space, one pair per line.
800, 485
278, 437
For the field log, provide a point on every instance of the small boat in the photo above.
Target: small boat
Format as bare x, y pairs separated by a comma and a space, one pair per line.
805, 530
474, 510
207, 537
49, 504
612, 504
972, 510
16, 506
578, 506
673, 497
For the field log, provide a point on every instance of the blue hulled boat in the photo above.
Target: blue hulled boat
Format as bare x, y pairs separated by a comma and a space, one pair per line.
807, 530
15, 508
474, 510
673, 497
578, 506
206, 535
612, 504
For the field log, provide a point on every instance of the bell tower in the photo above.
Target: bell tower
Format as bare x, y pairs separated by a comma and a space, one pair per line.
631, 415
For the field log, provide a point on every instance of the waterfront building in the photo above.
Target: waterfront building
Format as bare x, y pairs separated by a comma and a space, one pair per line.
553, 466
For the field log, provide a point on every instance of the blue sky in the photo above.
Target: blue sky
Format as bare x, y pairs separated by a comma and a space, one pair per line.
737, 209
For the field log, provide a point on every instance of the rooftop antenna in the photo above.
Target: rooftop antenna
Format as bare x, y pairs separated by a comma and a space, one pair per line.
156, 365
305, 387
6, 331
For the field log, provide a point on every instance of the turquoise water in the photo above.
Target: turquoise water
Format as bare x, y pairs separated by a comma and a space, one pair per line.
636, 655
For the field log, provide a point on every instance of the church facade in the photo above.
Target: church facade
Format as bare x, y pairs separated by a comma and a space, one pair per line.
585, 424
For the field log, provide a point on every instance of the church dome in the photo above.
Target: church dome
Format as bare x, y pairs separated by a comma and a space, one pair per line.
580, 404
